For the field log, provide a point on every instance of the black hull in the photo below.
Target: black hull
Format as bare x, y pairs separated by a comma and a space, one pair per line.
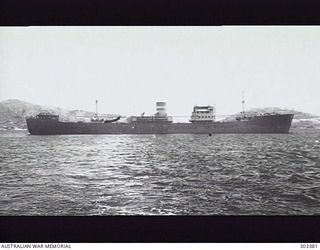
259, 124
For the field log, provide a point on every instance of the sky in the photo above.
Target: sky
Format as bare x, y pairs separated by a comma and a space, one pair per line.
128, 69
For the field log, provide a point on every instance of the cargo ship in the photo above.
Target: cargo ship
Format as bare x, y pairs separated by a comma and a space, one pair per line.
202, 121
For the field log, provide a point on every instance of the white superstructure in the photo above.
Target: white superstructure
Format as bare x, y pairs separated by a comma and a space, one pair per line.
159, 116
161, 109
203, 114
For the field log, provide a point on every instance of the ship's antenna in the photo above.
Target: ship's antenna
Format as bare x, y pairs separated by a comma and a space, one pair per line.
96, 108
242, 101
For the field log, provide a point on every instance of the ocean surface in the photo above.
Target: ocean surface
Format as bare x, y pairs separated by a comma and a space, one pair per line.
226, 174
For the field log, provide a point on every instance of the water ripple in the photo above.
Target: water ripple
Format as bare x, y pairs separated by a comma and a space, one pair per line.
160, 174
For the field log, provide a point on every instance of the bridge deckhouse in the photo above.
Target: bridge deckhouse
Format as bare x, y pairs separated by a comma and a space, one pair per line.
203, 114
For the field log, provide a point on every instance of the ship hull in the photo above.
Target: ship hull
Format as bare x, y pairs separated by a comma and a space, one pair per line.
259, 124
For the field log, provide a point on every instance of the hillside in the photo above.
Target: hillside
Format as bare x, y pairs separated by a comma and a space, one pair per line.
13, 113
301, 119
297, 114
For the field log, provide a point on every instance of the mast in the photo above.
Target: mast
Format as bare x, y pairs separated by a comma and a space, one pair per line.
96, 115
242, 102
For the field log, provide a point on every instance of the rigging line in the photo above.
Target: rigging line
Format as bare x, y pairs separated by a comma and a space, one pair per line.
190, 116
101, 115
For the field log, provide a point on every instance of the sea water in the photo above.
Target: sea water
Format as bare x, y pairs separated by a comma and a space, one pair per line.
222, 174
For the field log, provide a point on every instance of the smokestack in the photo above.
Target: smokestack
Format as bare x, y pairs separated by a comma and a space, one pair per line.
161, 108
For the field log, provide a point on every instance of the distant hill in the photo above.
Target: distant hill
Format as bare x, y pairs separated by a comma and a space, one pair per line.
13, 113
301, 119
297, 114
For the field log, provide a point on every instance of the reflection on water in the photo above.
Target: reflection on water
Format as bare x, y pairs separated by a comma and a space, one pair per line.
160, 174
